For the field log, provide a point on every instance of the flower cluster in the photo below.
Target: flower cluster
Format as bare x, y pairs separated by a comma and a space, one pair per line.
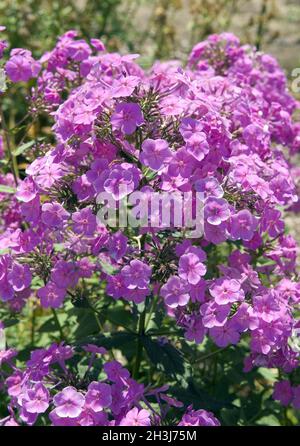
218, 127
50, 388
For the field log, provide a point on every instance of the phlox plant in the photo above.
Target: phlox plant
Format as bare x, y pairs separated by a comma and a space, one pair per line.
148, 325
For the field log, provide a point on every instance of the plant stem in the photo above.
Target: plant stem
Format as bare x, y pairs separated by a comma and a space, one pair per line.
59, 327
12, 158
153, 305
139, 349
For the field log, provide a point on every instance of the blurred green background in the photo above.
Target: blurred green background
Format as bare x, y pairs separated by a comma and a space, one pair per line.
156, 28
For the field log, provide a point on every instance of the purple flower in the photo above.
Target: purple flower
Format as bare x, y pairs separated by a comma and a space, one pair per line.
155, 153
198, 418
136, 274
117, 245
26, 190
69, 403
83, 188
190, 268
296, 397
175, 292
225, 335
54, 215
98, 396
242, 225
37, 399
216, 210
283, 392
226, 291
214, 315
181, 164
65, 274
121, 180
260, 342
210, 187
48, 174
115, 372
197, 146
124, 86
136, 417
51, 295
127, 117
266, 307
196, 332
21, 66
84, 222
215, 233
20, 277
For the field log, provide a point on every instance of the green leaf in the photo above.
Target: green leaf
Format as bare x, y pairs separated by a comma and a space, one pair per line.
117, 340
166, 358
2, 339
24, 147
87, 323
107, 268
192, 393
270, 420
7, 189
48, 326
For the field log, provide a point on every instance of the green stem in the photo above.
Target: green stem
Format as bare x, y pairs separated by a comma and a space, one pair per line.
139, 349
203, 358
153, 305
33, 327
12, 158
59, 327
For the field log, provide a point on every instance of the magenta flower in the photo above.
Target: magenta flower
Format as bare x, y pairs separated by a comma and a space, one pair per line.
181, 164
20, 277
215, 233
121, 180
214, 315
198, 418
155, 153
296, 397
98, 396
84, 222
283, 392
136, 417
27, 190
224, 335
54, 215
115, 372
37, 399
21, 66
48, 175
127, 117
210, 187
190, 268
124, 86
51, 295
216, 210
226, 291
242, 225
65, 274
69, 403
117, 245
175, 292
136, 274
197, 146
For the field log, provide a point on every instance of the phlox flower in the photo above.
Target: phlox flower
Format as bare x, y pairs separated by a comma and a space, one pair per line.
155, 153
136, 417
69, 403
127, 117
